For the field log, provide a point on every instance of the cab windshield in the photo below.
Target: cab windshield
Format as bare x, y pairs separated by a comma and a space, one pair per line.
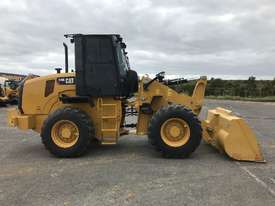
123, 61
11, 84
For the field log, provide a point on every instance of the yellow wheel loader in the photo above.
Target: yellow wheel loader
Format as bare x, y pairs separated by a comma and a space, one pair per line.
3, 98
9, 93
70, 110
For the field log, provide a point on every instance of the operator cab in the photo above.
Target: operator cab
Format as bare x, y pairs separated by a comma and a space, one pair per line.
102, 66
12, 84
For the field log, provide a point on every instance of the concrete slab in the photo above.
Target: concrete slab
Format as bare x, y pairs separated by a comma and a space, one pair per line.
133, 173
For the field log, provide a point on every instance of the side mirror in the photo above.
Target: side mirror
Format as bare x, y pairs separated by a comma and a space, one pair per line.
123, 45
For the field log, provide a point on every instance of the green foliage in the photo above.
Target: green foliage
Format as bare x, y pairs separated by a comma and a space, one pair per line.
253, 99
250, 88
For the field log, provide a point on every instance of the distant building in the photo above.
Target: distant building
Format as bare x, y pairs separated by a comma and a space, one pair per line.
11, 76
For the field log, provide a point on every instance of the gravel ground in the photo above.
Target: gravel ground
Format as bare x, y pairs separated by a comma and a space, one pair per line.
132, 173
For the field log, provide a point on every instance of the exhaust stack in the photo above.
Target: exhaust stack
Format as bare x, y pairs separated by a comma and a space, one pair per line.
66, 57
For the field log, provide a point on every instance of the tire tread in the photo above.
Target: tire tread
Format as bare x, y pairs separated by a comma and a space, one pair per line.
162, 115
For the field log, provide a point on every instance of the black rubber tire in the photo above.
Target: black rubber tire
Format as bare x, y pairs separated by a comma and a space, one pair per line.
85, 127
175, 111
13, 102
3, 104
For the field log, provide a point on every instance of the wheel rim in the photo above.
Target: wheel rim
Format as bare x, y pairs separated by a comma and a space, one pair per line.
175, 132
65, 133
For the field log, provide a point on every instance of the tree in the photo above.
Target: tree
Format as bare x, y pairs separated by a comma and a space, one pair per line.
273, 87
215, 87
251, 86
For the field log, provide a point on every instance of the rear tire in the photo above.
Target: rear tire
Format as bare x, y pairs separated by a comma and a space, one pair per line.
81, 132
3, 104
181, 137
14, 102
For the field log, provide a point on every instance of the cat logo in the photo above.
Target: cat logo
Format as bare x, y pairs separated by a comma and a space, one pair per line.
66, 80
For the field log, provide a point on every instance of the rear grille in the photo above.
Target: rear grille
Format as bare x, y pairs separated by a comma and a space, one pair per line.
49, 87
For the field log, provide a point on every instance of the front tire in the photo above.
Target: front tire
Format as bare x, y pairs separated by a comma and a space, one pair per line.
67, 132
175, 131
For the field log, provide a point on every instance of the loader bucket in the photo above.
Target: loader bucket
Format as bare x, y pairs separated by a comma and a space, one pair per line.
230, 134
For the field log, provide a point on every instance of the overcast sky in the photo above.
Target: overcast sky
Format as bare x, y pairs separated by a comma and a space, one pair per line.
226, 38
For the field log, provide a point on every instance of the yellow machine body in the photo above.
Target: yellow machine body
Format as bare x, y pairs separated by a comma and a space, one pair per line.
107, 111
3, 100
3, 97
44, 99
223, 130
159, 95
10, 93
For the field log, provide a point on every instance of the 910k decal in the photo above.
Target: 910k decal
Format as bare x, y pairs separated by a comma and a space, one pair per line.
66, 80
